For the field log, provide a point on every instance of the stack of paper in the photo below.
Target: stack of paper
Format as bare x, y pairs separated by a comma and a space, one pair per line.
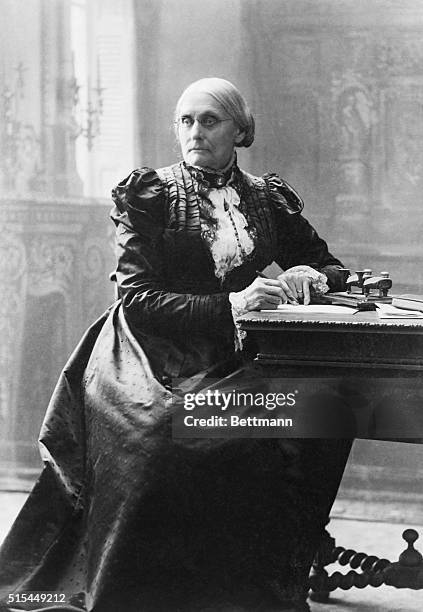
386, 311
409, 301
313, 309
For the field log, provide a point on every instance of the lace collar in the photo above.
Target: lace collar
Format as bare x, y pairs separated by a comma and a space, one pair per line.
209, 178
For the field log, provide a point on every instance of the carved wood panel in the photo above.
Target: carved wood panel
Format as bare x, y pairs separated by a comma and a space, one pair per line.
55, 262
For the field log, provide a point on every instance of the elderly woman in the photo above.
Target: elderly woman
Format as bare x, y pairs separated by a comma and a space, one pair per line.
125, 516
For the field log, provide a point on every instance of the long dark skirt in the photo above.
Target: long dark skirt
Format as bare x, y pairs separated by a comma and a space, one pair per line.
127, 517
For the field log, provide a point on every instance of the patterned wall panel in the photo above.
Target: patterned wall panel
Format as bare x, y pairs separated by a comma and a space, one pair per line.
55, 261
337, 89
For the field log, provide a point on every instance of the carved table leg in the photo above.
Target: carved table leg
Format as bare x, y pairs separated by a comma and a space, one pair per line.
408, 571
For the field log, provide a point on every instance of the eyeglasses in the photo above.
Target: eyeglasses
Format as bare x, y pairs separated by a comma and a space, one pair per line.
206, 121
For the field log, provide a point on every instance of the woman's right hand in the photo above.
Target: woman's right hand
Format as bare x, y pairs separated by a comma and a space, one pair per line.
266, 293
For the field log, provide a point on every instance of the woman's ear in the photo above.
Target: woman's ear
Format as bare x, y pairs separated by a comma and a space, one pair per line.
239, 136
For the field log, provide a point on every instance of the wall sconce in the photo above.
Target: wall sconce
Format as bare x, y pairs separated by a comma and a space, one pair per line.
18, 138
87, 119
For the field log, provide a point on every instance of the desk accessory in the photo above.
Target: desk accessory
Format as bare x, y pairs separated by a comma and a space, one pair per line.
363, 290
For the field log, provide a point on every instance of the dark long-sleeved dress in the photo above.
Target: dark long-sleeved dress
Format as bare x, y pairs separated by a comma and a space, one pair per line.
126, 517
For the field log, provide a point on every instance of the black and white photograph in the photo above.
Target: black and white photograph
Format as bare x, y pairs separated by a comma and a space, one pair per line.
211, 306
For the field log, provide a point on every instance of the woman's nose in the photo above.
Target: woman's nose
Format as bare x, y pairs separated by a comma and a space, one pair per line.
196, 129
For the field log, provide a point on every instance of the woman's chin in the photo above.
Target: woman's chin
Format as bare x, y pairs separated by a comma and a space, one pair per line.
199, 158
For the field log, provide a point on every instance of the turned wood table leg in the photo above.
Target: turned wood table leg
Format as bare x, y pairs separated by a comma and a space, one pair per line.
407, 572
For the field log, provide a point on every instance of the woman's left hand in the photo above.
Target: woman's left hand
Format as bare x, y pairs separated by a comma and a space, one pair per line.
298, 280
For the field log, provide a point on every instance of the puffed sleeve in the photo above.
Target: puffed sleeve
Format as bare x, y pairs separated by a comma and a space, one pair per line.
299, 243
148, 304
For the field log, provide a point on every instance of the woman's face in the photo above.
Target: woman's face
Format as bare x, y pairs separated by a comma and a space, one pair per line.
206, 133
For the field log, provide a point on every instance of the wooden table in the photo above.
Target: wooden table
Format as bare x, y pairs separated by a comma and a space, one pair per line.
366, 351
332, 342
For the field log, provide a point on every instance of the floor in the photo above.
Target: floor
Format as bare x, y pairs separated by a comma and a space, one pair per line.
379, 538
